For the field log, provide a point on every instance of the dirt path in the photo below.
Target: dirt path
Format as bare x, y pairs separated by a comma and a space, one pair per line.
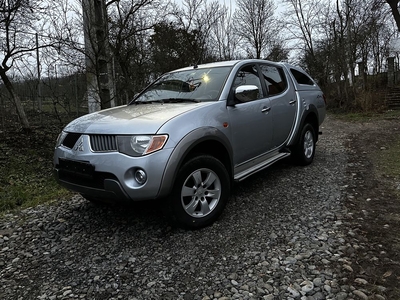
372, 199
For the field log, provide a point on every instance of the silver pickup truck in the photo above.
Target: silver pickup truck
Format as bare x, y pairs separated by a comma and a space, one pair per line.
189, 135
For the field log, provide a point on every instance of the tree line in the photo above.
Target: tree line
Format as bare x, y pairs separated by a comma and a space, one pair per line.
122, 45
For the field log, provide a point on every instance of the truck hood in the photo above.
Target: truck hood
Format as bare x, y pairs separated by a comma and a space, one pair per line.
130, 119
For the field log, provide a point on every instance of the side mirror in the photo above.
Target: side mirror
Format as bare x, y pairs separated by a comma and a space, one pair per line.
246, 93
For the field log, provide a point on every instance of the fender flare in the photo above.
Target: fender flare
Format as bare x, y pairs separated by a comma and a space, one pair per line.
310, 110
183, 149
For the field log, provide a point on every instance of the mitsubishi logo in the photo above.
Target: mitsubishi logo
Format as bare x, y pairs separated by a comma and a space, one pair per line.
79, 145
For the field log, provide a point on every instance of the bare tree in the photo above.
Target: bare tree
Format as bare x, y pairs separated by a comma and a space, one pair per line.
395, 11
305, 21
256, 26
100, 85
66, 21
333, 38
222, 38
131, 23
64, 59
17, 19
201, 17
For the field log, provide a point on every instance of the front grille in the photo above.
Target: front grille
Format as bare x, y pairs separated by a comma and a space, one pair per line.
103, 143
71, 139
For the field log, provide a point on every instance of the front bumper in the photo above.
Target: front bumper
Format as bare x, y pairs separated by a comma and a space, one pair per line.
109, 174
111, 189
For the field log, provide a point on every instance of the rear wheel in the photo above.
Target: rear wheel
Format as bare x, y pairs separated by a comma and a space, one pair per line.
303, 153
200, 192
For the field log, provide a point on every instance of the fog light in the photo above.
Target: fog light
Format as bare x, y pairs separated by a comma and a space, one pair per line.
140, 176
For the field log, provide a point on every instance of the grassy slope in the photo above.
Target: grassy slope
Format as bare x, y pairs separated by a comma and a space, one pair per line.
26, 176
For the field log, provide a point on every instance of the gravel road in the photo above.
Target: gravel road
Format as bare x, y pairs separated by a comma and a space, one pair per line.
283, 235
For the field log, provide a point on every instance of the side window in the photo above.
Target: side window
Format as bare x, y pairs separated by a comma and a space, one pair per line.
301, 77
248, 75
274, 78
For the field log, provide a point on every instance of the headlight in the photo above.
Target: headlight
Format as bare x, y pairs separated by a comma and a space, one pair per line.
60, 138
139, 145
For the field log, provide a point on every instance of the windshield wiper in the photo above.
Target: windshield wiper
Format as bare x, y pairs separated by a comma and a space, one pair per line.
166, 100
176, 100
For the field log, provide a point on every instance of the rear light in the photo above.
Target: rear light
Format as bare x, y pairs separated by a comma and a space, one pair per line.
323, 96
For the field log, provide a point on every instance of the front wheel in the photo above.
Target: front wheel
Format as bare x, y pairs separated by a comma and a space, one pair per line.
303, 153
200, 192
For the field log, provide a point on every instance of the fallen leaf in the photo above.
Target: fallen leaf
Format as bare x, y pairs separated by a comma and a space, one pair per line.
387, 274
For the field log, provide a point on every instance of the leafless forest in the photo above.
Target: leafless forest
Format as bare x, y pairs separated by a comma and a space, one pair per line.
57, 55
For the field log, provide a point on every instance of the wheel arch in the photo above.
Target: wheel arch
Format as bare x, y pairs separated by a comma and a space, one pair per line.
310, 116
209, 141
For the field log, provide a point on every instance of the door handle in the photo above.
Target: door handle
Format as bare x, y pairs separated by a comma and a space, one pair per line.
292, 102
265, 109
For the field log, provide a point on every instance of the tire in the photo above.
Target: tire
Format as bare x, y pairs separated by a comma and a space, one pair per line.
303, 153
200, 192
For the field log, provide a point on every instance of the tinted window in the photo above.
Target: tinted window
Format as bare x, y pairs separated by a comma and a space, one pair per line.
301, 78
248, 75
274, 79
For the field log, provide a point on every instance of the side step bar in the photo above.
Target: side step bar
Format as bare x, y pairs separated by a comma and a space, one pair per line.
260, 166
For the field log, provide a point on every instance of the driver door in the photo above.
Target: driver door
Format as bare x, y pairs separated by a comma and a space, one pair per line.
250, 121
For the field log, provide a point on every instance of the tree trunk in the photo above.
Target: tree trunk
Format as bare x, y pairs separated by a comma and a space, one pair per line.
100, 86
16, 100
395, 11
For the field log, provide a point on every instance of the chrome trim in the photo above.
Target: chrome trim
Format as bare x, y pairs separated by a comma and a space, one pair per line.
261, 165
297, 121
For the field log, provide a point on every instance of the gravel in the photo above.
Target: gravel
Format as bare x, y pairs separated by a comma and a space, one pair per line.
283, 235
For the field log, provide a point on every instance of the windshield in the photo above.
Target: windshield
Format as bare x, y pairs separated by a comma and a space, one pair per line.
190, 85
